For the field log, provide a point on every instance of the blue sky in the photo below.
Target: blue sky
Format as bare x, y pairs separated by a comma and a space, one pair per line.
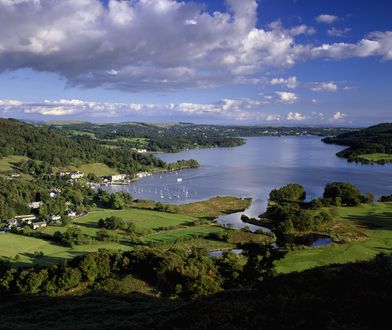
269, 62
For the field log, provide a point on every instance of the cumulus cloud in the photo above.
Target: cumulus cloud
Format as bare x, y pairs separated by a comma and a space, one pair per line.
290, 82
375, 44
146, 45
326, 19
324, 86
338, 116
295, 116
287, 97
245, 110
334, 32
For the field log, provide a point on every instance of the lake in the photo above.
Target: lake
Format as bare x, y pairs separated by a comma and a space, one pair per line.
254, 169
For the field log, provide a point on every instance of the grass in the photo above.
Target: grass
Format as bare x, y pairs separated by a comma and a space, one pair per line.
139, 141
12, 245
82, 133
216, 207
182, 233
99, 169
376, 157
148, 222
7, 164
373, 220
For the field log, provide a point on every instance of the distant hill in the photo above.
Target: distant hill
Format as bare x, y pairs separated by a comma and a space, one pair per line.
369, 145
174, 137
53, 146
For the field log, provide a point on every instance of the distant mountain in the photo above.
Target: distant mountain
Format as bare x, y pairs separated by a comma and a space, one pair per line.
53, 146
369, 145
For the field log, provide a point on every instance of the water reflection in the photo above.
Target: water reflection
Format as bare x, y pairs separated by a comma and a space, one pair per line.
254, 169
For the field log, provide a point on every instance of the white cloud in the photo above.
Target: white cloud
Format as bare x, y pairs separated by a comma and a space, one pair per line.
326, 19
290, 82
295, 116
338, 116
246, 110
146, 45
334, 32
375, 44
287, 97
324, 86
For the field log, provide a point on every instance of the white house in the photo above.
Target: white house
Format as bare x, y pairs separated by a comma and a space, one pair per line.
117, 177
35, 205
54, 218
70, 213
142, 174
72, 174
26, 218
37, 225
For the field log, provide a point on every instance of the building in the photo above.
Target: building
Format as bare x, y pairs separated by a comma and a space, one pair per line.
72, 174
142, 174
35, 205
70, 213
54, 218
140, 151
117, 177
26, 218
38, 225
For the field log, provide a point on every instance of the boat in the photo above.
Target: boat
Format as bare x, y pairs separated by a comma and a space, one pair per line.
179, 179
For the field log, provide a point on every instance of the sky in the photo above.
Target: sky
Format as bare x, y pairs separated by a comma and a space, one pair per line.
245, 62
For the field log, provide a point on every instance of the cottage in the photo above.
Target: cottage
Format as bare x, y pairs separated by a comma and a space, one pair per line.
117, 177
37, 225
54, 218
71, 214
35, 205
142, 174
26, 218
72, 174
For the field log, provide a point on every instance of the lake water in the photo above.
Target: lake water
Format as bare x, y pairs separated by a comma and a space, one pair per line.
254, 169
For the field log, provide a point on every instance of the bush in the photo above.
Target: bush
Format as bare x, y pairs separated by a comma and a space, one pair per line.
112, 222
291, 192
346, 193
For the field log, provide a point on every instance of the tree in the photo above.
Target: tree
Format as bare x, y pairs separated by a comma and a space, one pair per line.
89, 267
292, 192
347, 193
230, 269
112, 222
260, 262
68, 277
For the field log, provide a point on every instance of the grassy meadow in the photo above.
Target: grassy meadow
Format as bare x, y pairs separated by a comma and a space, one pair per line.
376, 157
373, 220
153, 227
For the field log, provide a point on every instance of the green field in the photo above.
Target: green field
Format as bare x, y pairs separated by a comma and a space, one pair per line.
376, 157
374, 220
7, 164
175, 234
12, 245
81, 133
147, 223
99, 169
140, 141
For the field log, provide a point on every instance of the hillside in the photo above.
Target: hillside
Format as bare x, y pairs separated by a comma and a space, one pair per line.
369, 145
173, 137
54, 147
352, 296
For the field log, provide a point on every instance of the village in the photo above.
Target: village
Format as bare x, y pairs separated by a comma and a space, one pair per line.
36, 221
